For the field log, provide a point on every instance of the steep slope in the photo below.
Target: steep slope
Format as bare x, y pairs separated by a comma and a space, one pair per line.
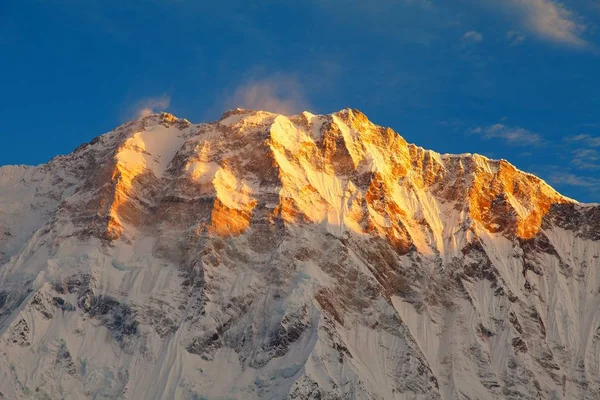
301, 257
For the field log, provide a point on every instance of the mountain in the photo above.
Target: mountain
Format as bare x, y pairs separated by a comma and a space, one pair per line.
303, 257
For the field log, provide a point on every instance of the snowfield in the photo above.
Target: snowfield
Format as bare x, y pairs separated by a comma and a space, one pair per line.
265, 256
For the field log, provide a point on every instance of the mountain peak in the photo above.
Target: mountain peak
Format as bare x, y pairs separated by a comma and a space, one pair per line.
318, 163
161, 118
310, 256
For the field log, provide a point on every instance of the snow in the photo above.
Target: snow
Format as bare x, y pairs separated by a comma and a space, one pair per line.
310, 293
151, 149
232, 119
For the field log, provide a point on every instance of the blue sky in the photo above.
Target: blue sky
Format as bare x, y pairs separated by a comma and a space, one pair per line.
513, 79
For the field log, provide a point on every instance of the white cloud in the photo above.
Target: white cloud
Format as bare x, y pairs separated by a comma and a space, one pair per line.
515, 37
549, 20
515, 135
151, 105
566, 178
472, 37
562, 176
586, 159
280, 93
589, 140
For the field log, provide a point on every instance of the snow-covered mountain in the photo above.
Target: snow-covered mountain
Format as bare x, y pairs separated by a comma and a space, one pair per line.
303, 257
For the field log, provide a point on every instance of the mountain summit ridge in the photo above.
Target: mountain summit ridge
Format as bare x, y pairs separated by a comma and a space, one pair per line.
309, 256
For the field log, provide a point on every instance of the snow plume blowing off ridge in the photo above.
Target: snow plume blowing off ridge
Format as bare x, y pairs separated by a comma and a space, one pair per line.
281, 94
150, 105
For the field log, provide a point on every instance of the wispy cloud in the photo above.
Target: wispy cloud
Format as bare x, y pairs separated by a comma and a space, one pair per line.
150, 105
588, 140
512, 135
281, 93
515, 38
586, 159
592, 185
471, 37
549, 20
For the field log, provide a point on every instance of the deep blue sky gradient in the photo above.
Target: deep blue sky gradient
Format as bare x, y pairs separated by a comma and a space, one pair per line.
72, 70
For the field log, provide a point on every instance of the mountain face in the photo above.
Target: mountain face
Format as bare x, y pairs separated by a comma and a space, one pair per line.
305, 257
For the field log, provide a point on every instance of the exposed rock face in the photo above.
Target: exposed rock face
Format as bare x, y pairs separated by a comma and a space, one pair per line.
302, 257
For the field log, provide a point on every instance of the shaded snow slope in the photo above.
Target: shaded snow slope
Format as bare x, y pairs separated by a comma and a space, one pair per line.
299, 257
